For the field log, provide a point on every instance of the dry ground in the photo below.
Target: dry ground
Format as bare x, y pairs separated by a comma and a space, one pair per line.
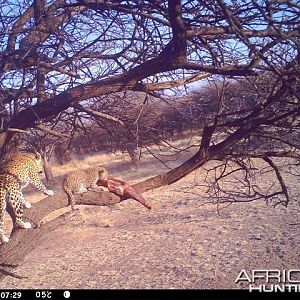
181, 243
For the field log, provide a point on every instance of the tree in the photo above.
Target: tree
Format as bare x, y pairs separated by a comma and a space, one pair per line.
56, 55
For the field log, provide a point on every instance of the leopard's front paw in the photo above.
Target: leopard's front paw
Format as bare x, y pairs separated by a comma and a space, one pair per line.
4, 239
27, 204
25, 225
49, 192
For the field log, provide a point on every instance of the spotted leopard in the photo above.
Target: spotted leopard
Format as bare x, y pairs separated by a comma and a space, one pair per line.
81, 181
22, 169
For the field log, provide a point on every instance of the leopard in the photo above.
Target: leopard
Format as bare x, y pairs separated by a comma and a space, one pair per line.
81, 181
22, 169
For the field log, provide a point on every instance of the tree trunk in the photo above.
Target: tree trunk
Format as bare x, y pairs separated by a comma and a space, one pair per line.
47, 154
48, 172
134, 156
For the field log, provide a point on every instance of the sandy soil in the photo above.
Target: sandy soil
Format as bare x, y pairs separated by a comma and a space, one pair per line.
181, 243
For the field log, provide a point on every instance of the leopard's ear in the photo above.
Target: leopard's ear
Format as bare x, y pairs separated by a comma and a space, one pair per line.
38, 155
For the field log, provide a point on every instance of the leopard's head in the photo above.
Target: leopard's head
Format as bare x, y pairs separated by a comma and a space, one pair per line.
39, 163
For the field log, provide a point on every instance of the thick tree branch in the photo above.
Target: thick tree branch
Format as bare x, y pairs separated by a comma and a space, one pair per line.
179, 44
227, 32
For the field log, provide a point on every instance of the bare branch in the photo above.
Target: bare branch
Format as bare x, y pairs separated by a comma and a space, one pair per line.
280, 179
98, 114
52, 132
16, 130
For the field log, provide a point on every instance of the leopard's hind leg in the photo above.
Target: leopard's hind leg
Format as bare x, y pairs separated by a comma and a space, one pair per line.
16, 199
3, 237
68, 191
71, 199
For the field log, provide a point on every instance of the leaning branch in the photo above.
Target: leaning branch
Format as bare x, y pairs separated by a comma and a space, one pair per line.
52, 132
228, 33
280, 180
173, 83
98, 114
17, 130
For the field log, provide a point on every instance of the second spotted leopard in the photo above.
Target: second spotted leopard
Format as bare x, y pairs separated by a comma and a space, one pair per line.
81, 181
22, 169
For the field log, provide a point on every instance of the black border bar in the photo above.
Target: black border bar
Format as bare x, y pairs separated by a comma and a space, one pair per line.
43, 294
